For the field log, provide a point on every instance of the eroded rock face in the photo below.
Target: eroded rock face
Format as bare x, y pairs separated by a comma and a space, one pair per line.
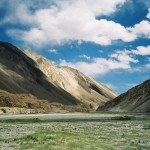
20, 74
29, 73
137, 99
27, 103
83, 88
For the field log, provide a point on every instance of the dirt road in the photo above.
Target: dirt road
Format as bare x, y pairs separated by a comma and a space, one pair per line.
62, 116
78, 116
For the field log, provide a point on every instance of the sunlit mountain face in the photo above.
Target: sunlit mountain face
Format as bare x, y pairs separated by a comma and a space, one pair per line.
107, 40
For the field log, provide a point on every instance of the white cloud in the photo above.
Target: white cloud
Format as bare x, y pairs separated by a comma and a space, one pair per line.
120, 60
61, 21
61, 30
141, 50
22, 15
141, 69
98, 7
148, 15
100, 66
124, 56
84, 56
54, 51
141, 29
68, 20
136, 69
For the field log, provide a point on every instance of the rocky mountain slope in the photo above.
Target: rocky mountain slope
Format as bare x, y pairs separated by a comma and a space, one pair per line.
83, 88
29, 73
137, 99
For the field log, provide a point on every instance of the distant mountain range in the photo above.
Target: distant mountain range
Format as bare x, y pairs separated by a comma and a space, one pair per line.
137, 99
30, 81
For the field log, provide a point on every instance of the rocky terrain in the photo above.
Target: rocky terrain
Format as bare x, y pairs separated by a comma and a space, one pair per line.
28, 80
137, 99
83, 88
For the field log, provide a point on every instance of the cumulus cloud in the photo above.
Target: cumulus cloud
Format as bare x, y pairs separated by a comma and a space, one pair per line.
148, 15
142, 50
141, 29
124, 56
119, 60
67, 20
61, 21
84, 56
54, 51
140, 69
100, 66
22, 15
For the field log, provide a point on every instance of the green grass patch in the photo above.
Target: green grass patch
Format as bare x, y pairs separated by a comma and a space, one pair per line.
30, 120
118, 133
60, 140
123, 118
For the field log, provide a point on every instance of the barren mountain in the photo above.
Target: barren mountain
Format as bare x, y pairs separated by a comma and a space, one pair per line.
83, 88
25, 72
137, 99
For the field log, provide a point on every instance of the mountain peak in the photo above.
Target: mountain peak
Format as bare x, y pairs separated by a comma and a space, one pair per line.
24, 71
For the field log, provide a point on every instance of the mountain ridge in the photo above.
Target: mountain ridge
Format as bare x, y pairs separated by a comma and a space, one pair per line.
27, 70
136, 99
20, 73
65, 76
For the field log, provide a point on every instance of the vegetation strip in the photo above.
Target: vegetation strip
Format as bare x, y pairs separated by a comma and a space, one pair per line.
110, 135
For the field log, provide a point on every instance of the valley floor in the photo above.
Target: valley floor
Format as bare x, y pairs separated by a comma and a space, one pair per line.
77, 131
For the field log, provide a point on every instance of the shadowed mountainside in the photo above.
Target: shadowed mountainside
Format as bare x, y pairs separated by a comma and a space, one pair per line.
20, 74
83, 88
137, 99
25, 72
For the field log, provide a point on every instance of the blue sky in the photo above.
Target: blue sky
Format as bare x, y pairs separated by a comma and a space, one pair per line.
108, 40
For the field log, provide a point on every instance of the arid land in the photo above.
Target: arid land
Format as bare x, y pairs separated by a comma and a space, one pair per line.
75, 131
